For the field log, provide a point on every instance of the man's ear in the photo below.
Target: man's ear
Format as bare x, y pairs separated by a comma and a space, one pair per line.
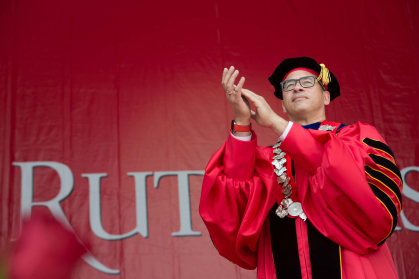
283, 107
326, 97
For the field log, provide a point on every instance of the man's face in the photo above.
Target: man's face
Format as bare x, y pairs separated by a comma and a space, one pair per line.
300, 100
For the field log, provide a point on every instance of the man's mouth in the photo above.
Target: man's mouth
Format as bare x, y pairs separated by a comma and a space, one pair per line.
299, 97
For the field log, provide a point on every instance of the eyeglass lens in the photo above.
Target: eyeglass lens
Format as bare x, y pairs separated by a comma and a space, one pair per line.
304, 82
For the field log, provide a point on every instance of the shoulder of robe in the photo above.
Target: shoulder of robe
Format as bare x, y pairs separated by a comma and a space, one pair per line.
360, 130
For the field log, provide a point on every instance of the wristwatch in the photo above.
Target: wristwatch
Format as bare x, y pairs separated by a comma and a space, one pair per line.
240, 128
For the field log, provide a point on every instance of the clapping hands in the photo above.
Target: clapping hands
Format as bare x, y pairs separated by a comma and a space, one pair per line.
239, 98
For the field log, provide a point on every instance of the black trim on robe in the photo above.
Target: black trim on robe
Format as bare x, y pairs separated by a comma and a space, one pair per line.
379, 145
284, 246
385, 180
386, 163
324, 255
292, 169
389, 204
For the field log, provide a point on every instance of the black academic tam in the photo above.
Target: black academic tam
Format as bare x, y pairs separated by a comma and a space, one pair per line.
290, 64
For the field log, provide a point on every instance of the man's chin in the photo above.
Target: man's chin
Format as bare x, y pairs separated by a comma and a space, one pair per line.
301, 107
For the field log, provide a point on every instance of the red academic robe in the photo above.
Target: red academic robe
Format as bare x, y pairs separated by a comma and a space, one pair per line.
348, 185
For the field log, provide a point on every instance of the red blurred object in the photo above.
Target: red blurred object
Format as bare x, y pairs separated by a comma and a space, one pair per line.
45, 250
120, 87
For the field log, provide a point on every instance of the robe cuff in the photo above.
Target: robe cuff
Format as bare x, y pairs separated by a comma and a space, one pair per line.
239, 157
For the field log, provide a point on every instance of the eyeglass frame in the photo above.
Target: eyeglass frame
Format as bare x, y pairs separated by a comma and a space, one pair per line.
299, 81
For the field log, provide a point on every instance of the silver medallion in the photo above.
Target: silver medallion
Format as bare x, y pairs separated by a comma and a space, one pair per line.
295, 209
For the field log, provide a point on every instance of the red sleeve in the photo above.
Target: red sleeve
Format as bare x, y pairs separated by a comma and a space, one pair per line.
348, 184
237, 193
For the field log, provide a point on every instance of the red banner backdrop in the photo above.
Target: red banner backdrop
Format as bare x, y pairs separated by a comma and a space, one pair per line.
110, 111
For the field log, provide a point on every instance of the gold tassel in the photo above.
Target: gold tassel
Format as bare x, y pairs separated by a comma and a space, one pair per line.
324, 75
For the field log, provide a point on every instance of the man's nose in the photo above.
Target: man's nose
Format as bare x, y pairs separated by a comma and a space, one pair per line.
298, 87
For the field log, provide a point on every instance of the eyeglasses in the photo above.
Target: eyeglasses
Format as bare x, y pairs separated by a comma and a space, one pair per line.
305, 82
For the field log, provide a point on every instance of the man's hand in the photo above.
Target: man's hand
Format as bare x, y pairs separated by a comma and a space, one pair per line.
239, 103
264, 115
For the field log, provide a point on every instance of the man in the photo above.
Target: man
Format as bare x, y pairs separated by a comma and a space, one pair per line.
320, 203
